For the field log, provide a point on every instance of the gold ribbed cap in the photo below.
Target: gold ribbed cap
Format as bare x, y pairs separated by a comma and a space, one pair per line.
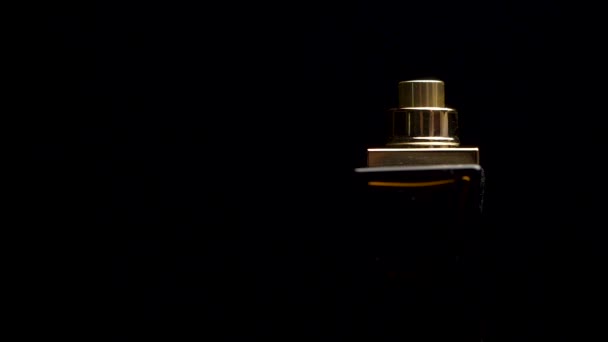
421, 93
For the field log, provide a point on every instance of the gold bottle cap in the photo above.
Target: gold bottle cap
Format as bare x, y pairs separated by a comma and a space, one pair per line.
422, 120
421, 93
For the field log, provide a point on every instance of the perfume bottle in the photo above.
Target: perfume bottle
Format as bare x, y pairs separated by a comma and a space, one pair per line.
420, 200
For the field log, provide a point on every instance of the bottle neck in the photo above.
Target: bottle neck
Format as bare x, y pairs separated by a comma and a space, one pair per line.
423, 127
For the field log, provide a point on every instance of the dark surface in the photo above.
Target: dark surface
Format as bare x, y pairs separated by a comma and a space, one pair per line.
143, 105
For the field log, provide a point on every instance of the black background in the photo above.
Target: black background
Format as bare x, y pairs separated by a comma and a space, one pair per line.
210, 147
